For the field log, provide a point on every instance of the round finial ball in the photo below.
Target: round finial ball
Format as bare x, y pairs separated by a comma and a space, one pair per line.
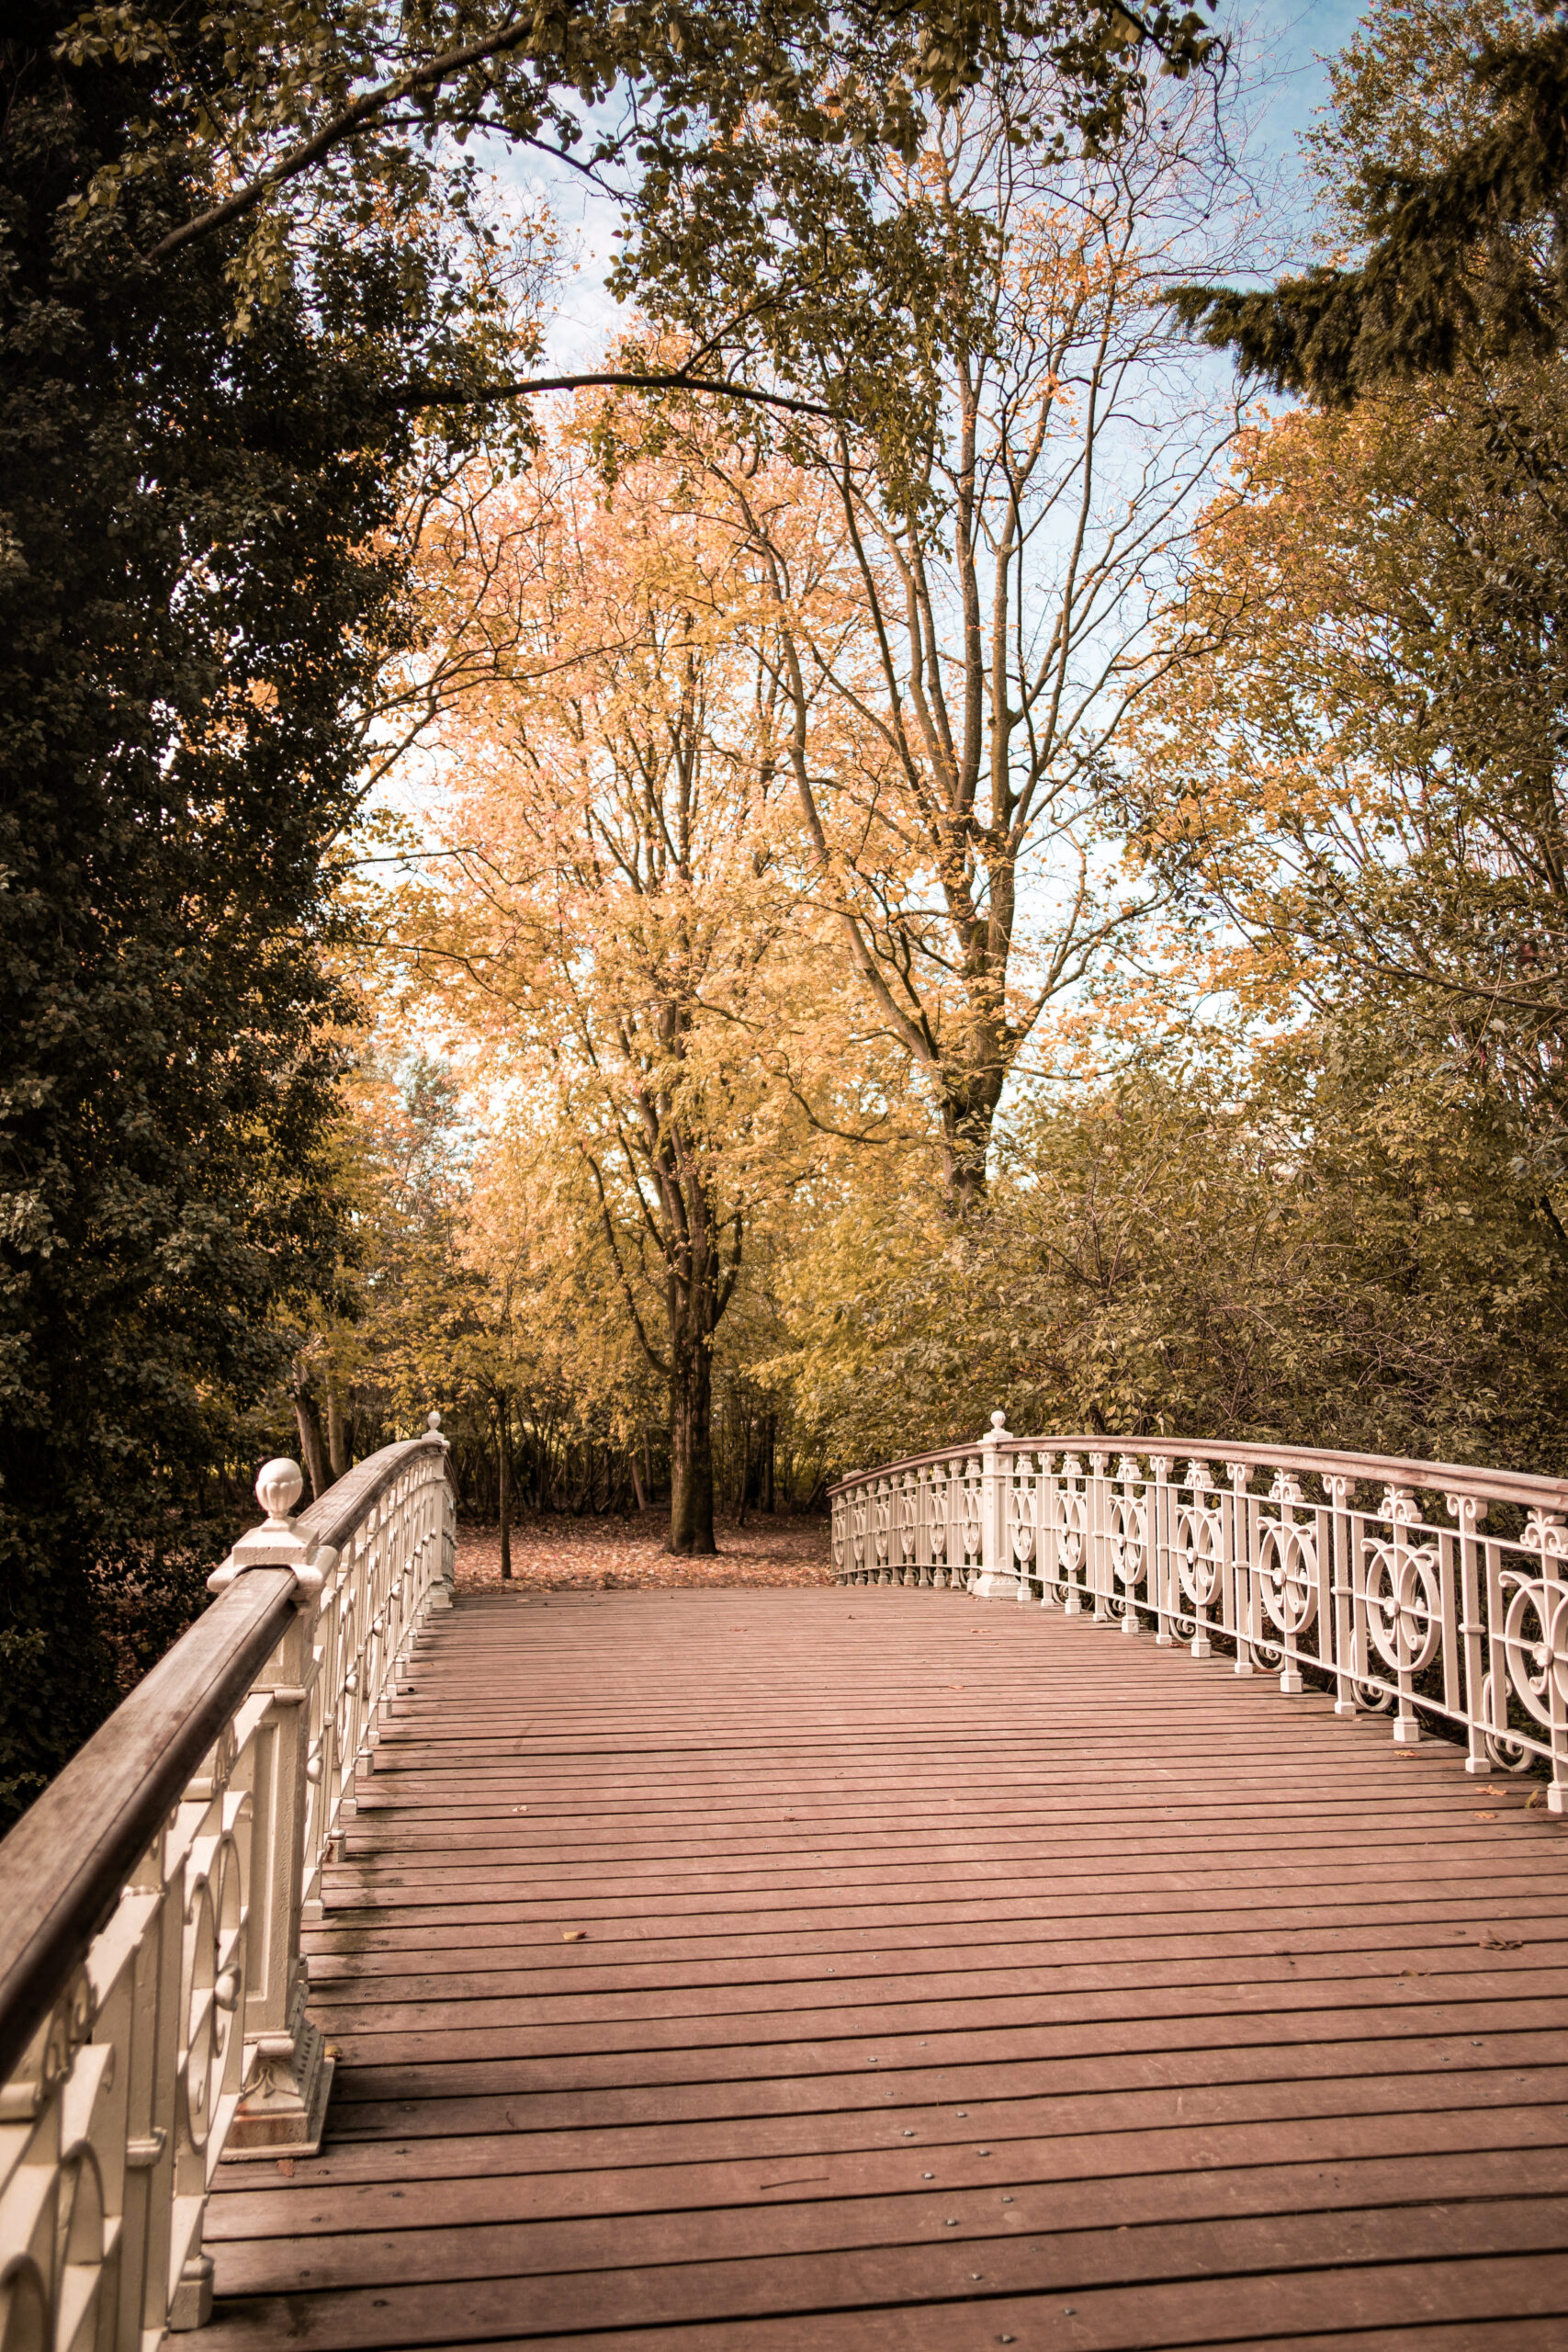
279, 1487
432, 1423
998, 1419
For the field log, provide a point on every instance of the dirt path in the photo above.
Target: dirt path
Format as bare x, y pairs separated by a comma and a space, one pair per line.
557, 1554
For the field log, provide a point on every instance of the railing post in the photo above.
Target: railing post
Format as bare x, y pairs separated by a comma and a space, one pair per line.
998, 1579
443, 1586
1162, 1564
1239, 1562
1099, 1495
287, 2072
1471, 1516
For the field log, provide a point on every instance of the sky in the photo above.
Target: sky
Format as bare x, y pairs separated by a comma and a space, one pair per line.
1289, 38
1295, 34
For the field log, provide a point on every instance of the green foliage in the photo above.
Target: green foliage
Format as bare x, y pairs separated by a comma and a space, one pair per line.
1363, 774
193, 606
1461, 237
1338, 1253
741, 134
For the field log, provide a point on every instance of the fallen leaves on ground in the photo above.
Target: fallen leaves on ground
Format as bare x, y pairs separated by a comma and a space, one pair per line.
558, 1553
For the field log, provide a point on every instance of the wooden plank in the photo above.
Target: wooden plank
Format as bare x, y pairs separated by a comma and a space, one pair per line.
1257, 2023
943, 2271
1129, 2173
1425, 2101
1033, 2233
970, 2032
979, 2091
1137, 2320
343, 1952
537, 1997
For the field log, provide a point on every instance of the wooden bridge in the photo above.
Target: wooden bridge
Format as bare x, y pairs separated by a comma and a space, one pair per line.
872, 1967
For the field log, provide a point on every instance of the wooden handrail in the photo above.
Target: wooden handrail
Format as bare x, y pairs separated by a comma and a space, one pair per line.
333, 1518
64, 1866
1529, 1491
154, 1999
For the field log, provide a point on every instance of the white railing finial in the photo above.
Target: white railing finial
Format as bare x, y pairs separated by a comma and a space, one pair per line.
279, 1542
279, 1484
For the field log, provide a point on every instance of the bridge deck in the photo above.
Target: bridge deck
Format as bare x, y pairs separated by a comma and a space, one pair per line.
948, 1975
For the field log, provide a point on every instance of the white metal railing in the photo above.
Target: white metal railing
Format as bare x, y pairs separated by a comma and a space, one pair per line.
1414, 1589
152, 1995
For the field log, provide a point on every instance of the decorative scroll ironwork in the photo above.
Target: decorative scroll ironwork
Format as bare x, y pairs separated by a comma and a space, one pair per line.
1436, 1595
183, 2033
1127, 1541
971, 1516
1069, 1527
884, 1532
909, 1522
937, 1522
1198, 1547
1021, 1507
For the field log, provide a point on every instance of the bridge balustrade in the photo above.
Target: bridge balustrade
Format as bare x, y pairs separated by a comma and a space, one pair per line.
153, 2008
1419, 1590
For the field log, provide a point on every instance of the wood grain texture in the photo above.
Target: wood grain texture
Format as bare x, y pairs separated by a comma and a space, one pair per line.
64, 1866
941, 1974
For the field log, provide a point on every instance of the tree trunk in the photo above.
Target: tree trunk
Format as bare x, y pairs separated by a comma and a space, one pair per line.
765, 1495
691, 1447
337, 1433
637, 1482
311, 1446
503, 1490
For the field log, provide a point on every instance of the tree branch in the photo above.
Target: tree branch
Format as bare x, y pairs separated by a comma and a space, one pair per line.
341, 126
524, 386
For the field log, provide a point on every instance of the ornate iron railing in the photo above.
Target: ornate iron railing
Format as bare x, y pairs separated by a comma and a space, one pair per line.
153, 1995
1414, 1589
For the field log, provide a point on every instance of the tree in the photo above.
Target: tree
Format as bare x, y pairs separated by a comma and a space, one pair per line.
1365, 775
958, 674
197, 593
1324, 1243
1460, 230
771, 108
618, 908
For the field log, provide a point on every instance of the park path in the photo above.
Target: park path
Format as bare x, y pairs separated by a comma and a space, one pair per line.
793, 1971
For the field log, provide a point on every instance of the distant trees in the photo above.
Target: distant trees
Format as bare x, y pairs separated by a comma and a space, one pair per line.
617, 928
1332, 1248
